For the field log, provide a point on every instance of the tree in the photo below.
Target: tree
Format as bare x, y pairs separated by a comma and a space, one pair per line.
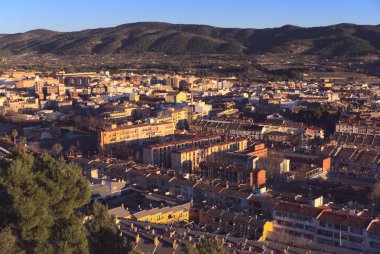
40, 195
206, 246
104, 236
34, 147
24, 140
56, 149
8, 242
14, 135
23, 143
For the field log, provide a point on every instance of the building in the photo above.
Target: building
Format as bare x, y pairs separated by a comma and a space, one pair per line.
202, 108
298, 160
121, 113
182, 188
226, 222
177, 116
176, 97
326, 227
164, 215
354, 161
160, 154
351, 126
134, 134
189, 159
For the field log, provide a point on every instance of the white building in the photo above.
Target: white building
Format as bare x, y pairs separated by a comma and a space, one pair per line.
201, 107
324, 226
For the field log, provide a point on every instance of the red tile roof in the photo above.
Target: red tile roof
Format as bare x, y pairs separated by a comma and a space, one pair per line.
374, 227
344, 219
301, 209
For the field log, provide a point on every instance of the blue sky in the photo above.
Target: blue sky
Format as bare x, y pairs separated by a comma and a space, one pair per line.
72, 15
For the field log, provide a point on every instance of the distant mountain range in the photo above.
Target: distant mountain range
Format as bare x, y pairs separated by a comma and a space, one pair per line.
177, 39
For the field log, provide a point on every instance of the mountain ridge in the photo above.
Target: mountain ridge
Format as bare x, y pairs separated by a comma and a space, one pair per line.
178, 39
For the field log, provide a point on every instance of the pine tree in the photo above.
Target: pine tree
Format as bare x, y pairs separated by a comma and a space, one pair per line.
14, 135
8, 242
206, 246
104, 237
41, 195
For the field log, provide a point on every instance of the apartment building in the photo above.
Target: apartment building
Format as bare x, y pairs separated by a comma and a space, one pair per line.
160, 154
372, 234
134, 134
188, 160
227, 221
164, 215
326, 227
357, 161
177, 116
370, 142
371, 128
176, 97
121, 113
26, 103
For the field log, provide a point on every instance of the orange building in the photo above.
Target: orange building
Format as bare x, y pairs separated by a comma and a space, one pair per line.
259, 150
257, 178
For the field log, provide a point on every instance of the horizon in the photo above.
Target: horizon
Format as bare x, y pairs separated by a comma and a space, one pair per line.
42, 14
163, 22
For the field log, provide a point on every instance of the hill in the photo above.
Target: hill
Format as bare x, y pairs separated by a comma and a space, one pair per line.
179, 39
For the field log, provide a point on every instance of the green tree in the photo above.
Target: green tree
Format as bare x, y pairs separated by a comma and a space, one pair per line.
24, 140
14, 135
40, 197
8, 242
104, 237
206, 246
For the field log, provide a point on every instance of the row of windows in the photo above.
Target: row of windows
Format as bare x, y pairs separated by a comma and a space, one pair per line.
292, 216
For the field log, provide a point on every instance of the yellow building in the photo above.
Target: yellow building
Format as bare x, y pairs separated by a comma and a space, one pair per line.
164, 215
177, 116
132, 134
25, 83
125, 112
20, 74
268, 227
25, 103
176, 97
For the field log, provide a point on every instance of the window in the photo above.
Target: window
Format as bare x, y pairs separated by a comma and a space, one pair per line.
355, 239
356, 231
325, 232
309, 228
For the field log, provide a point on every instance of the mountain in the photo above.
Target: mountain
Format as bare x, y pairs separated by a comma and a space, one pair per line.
178, 39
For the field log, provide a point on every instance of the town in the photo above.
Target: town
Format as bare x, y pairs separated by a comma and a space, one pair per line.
261, 166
